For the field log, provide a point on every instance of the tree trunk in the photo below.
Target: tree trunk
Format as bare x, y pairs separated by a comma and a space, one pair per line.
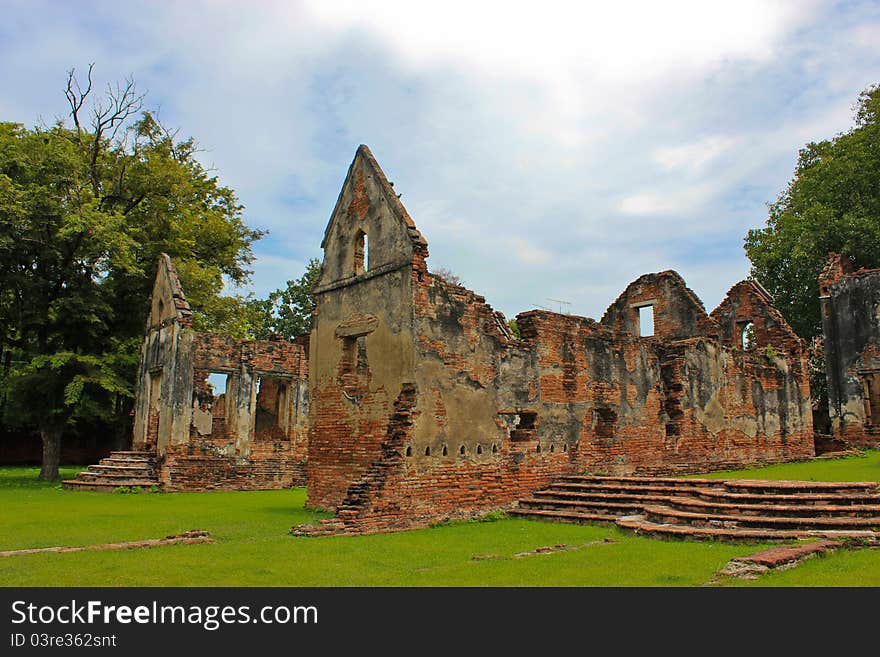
51, 436
123, 424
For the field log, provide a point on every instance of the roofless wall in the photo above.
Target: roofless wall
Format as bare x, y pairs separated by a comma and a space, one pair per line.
424, 406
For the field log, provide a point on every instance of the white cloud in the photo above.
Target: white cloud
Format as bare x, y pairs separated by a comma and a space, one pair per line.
552, 150
695, 155
669, 202
618, 41
867, 36
272, 273
527, 252
578, 63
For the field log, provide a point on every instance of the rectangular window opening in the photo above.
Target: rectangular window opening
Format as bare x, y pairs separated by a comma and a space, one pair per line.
217, 381
354, 369
155, 383
646, 321
525, 425
604, 422
151, 429
210, 401
273, 408
871, 387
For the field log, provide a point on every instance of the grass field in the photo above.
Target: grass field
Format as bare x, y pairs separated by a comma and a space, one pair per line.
254, 548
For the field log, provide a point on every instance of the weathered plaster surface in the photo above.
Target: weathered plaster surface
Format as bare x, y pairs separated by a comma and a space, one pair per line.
850, 304
425, 406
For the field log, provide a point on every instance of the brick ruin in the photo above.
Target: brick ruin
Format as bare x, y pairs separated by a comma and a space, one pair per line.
424, 406
411, 401
850, 307
218, 413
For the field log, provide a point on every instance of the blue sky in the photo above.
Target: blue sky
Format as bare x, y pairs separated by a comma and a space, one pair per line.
552, 150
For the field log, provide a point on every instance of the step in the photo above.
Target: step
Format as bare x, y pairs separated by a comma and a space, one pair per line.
640, 525
770, 487
111, 466
101, 467
562, 516
617, 488
608, 508
677, 482
635, 498
770, 508
104, 486
667, 515
88, 475
797, 498
112, 460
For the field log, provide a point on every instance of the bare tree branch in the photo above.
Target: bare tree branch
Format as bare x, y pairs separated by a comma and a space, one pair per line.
76, 98
108, 116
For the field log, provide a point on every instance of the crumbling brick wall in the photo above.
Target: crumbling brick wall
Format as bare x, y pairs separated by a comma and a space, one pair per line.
361, 347
850, 307
677, 311
424, 406
161, 414
252, 435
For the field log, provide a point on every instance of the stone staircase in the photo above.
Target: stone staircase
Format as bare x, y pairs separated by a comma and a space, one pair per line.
743, 510
130, 469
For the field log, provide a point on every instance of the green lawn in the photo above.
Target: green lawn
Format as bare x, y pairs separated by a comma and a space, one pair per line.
254, 548
865, 468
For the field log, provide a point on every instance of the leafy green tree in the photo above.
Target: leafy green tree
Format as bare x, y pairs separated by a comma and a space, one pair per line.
831, 205
85, 210
287, 311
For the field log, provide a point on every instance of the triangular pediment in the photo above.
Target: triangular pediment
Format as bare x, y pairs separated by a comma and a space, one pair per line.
369, 228
357, 195
168, 302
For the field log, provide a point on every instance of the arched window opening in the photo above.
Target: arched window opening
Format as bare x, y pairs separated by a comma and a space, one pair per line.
427, 451
361, 252
462, 450
445, 451
409, 451
538, 448
479, 449
494, 449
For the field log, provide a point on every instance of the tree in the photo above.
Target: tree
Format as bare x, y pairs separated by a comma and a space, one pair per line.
85, 210
831, 205
287, 311
446, 274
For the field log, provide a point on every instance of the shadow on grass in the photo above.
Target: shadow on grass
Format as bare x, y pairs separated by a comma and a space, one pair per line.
27, 477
